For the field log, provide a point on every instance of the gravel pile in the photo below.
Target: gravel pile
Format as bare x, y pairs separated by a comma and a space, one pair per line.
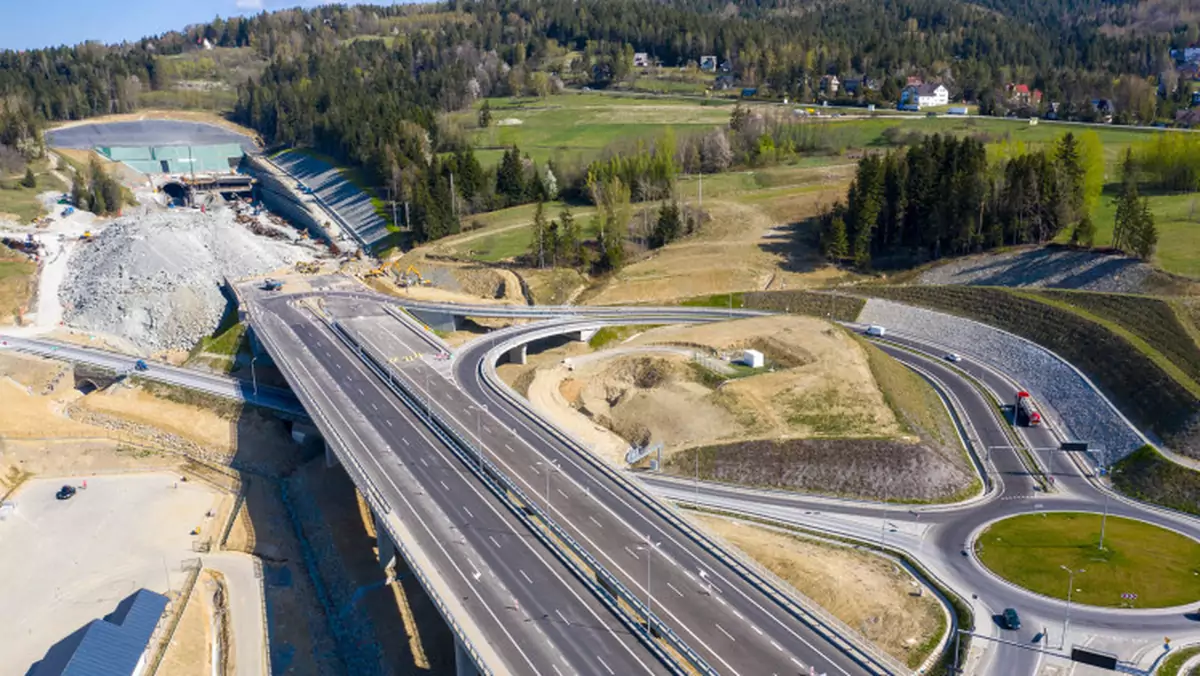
1063, 394
1047, 267
155, 279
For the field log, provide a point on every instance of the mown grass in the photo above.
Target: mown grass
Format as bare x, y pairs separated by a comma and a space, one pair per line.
1146, 475
611, 334
1161, 567
16, 282
220, 350
735, 300
1175, 661
1134, 381
23, 202
912, 399
514, 231
1151, 320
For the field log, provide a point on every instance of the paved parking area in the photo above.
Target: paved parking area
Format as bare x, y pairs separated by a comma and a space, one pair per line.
65, 563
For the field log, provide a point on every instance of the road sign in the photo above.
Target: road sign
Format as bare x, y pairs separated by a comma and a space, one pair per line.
1074, 446
1094, 658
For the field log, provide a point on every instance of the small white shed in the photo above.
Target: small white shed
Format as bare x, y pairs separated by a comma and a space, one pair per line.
753, 359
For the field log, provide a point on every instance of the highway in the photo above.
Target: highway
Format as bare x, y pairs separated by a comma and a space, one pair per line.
731, 622
736, 627
526, 611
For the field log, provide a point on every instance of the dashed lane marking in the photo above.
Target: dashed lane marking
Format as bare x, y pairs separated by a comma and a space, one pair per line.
729, 635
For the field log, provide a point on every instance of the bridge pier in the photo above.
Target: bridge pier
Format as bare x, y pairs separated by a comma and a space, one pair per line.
384, 544
584, 335
438, 321
331, 459
517, 355
463, 664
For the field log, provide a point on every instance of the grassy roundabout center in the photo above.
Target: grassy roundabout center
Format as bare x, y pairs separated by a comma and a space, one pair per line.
1162, 568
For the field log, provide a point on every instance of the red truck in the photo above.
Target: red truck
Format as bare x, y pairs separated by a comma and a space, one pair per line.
1026, 412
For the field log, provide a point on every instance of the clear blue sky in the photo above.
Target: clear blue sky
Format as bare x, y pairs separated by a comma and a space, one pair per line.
28, 24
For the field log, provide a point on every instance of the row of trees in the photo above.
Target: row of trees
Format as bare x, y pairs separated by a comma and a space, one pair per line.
944, 197
97, 191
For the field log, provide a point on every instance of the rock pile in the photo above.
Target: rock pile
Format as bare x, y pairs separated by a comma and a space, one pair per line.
155, 279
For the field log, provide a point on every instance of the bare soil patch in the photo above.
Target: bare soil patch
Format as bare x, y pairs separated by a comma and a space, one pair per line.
190, 651
868, 592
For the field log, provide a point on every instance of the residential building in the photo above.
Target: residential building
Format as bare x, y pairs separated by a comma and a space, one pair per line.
924, 96
1022, 95
641, 59
913, 81
830, 85
708, 63
1104, 109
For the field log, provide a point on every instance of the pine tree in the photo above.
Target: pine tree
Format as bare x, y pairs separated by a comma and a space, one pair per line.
510, 178
1128, 217
1145, 239
30, 181
1084, 233
485, 114
538, 248
667, 227
1071, 172
834, 242
568, 243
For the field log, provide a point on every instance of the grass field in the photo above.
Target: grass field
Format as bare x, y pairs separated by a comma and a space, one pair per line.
578, 125
1147, 475
1175, 661
1178, 221
21, 202
16, 279
1161, 567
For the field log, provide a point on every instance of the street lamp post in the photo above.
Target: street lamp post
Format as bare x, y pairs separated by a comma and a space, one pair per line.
1070, 588
551, 466
253, 377
649, 548
1104, 521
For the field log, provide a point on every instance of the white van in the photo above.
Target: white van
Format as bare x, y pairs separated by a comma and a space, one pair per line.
876, 330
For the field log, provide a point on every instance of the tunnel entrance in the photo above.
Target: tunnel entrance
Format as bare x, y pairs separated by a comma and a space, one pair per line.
177, 192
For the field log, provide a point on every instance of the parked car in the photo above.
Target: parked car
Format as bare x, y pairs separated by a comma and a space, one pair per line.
876, 330
141, 365
1011, 619
953, 357
65, 493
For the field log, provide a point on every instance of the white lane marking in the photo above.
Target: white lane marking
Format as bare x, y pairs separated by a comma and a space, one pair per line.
405, 441
493, 539
389, 422
677, 591
731, 638
469, 514
555, 667
796, 662
631, 552
443, 483
360, 392
423, 462
535, 469
562, 617
510, 450
374, 407
776, 646
605, 665
595, 522
560, 492
739, 615
756, 629
524, 576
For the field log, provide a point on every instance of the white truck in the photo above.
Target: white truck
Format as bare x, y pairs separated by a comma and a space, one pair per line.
876, 331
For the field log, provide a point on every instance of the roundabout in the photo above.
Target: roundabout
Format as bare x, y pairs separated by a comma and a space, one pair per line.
1140, 565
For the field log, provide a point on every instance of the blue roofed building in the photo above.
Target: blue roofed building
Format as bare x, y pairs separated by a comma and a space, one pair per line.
117, 645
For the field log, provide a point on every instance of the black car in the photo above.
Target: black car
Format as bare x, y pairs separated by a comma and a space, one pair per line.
65, 493
1011, 619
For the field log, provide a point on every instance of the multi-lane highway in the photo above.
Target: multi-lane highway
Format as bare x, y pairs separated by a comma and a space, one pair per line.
491, 571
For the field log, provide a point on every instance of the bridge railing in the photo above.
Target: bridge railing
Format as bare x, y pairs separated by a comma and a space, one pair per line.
805, 610
375, 498
603, 584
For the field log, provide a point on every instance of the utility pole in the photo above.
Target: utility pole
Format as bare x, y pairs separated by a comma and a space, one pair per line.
407, 222
1104, 521
700, 192
1070, 588
453, 198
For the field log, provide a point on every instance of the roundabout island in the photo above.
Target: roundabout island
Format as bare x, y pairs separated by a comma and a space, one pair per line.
1139, 565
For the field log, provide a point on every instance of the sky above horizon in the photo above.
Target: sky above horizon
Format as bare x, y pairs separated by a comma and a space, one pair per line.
47, 23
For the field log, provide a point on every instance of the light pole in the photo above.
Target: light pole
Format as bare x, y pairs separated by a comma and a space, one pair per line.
649, 548
1070, 588
1104, 521
253, 377
479, 410
551, 466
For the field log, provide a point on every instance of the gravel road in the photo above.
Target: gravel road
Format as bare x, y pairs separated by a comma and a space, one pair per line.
1064, 395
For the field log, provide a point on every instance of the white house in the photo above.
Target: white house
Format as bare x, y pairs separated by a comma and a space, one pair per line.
925, 95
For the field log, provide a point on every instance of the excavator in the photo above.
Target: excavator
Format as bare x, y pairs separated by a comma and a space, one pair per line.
411, 277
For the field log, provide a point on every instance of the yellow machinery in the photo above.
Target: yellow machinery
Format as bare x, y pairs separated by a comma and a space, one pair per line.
412, 277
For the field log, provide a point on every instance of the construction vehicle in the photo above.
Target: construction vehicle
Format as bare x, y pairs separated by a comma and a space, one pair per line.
272, 285
140, 365
1025, 412
86, 236
308, 267
412, 277
68, 211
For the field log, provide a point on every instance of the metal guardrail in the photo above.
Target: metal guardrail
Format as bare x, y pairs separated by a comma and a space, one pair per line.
606, 587
815, 617
378, 504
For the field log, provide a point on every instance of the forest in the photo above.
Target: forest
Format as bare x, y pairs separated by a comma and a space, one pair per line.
944, 197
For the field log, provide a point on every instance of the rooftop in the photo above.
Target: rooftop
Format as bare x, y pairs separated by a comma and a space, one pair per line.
109, 647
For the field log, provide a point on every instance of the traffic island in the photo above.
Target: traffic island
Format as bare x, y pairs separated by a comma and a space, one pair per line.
1055, 554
